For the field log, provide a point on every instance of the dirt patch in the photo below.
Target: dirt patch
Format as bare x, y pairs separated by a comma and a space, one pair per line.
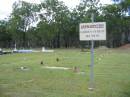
74, 69
126, 46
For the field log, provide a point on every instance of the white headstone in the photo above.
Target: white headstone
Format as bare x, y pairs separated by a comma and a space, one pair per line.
15, 49
43, 49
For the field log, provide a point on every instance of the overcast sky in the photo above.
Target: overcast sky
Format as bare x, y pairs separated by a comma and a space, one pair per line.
6, 5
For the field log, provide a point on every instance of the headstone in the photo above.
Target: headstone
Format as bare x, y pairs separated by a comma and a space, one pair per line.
1, 51
15, 49
43, 49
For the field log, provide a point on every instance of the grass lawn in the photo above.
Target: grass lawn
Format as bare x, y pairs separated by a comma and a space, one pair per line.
112, 74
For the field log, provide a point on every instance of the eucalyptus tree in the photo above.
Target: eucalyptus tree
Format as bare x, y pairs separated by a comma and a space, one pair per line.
4, 35
22, 16
112, 15
117, 22
82, 14
125, 9
54, 22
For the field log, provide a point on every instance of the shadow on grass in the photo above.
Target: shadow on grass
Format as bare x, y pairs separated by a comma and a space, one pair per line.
126, 92
2, 93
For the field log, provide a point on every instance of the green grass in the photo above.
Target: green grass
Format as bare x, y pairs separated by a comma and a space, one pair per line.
112, 74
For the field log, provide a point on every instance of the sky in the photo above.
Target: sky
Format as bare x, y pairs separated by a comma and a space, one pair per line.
6, 5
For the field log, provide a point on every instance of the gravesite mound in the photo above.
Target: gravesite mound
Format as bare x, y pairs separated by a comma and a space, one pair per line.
126, 46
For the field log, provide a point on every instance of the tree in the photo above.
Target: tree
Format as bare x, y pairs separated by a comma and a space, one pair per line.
23, 15
4, 35
58, 26
55, 16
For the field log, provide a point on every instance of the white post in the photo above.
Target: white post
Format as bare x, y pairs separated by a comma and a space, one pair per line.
15, 49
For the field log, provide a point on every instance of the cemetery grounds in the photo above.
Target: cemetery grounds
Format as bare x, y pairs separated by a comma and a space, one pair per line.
27, 75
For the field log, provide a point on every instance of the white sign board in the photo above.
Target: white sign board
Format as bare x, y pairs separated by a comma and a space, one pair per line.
93, 31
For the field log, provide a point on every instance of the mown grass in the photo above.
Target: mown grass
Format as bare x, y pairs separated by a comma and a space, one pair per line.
112, 74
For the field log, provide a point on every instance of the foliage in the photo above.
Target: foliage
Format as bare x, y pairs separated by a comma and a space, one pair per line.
57, 26
4, 35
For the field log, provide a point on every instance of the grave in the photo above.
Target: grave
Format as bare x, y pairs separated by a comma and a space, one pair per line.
45, 50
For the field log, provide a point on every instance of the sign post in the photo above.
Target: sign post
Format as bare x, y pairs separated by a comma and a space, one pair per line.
91, 83
90, 32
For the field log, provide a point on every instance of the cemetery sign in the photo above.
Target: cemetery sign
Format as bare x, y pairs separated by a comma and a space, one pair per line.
92, 31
